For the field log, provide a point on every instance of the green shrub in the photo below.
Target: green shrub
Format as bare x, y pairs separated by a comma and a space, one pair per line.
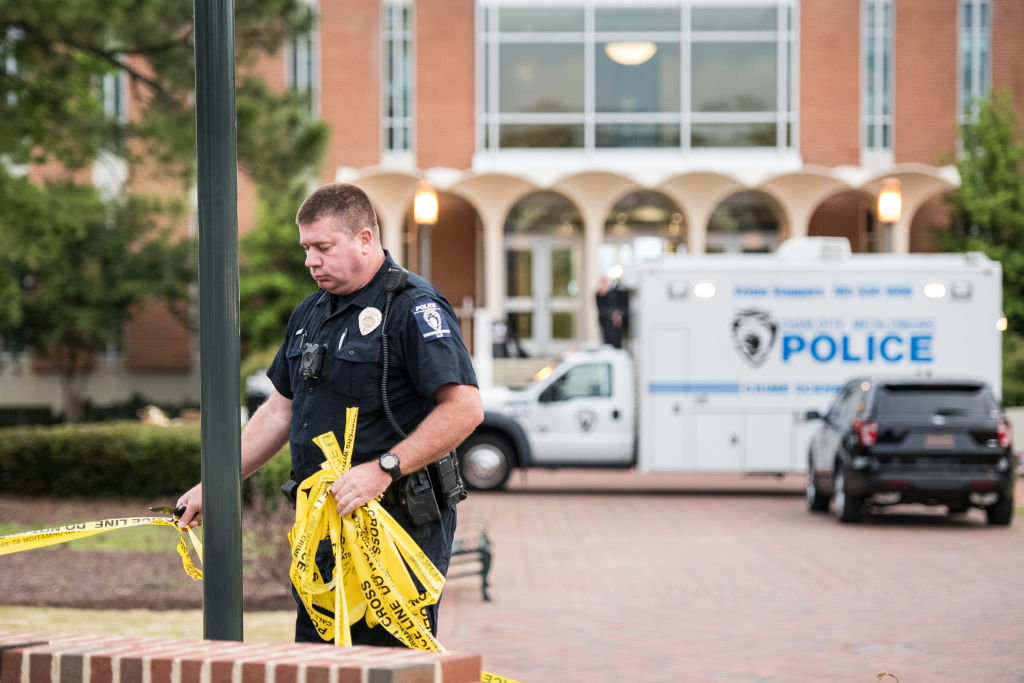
111, 459
117, 459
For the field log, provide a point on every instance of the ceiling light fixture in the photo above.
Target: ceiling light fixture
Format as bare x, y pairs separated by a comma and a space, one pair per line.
630, 53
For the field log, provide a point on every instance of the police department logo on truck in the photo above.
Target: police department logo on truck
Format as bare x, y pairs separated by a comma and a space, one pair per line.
753, 335
828, 339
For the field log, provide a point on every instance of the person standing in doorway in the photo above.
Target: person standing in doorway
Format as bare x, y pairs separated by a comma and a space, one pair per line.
612, 311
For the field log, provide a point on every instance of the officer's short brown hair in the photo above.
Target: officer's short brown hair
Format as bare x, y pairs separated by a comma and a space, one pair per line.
348, 206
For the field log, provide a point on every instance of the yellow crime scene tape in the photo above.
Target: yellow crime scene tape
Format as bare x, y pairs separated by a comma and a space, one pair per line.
41, 538
375, 558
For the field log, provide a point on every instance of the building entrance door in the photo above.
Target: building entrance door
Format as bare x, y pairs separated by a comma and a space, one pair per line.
542, 291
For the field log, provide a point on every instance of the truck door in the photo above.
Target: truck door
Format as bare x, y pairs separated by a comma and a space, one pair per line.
581, 417
664, 439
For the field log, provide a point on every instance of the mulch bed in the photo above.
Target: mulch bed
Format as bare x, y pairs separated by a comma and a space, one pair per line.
61, 577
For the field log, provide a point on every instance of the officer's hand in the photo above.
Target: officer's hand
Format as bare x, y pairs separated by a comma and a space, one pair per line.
359, 486
193, 502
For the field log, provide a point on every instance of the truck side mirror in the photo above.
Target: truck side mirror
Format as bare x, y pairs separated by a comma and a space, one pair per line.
813, 415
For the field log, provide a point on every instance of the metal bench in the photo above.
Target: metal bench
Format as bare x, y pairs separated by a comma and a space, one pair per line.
471, 554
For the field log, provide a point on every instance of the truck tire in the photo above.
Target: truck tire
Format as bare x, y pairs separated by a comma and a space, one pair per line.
486, 461
848, 509
816, 500
1001, 513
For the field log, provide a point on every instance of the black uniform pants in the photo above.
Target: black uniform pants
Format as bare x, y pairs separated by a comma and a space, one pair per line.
435, 539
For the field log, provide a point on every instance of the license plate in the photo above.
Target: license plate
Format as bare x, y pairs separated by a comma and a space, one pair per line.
938, 440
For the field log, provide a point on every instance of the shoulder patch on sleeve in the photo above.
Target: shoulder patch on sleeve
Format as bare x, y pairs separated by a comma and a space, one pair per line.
431, 320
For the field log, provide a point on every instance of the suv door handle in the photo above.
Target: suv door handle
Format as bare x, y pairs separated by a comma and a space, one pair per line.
616, 414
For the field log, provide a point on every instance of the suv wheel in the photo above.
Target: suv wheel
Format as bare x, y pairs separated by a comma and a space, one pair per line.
816, 500
848, 509
1000, 514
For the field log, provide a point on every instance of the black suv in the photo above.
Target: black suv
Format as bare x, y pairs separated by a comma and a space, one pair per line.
938, 442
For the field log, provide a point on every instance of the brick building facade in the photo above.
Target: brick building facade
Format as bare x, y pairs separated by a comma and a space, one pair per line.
556, 159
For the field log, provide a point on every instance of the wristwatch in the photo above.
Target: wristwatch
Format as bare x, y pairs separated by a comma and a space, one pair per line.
389, 463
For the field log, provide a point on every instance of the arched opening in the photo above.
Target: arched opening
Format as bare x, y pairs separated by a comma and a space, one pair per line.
543, 251
642, 225
456, 246
850, 215
747, 222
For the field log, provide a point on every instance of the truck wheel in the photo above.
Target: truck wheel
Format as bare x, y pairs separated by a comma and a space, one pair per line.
816, 500
848, 509
1000, 514
486, 461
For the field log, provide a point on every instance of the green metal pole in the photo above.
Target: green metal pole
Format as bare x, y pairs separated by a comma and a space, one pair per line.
218, 319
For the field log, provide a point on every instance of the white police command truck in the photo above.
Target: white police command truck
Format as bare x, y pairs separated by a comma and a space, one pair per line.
729, 352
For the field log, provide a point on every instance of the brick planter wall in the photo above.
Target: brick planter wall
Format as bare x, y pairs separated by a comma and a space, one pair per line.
40, 658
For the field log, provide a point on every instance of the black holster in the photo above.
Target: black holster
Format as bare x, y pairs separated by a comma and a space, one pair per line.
436, 487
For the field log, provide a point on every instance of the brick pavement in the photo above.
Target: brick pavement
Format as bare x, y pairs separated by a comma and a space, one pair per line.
610, 576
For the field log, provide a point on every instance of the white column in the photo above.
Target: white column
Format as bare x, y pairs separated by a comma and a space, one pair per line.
593, 236
391, 218
900, 231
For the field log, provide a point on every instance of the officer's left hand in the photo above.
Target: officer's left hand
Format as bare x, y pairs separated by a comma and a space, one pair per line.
358, 486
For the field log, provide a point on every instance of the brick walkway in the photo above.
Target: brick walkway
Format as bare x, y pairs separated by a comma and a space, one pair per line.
609, 576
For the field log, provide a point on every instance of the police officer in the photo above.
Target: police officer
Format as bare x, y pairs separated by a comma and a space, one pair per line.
368, 317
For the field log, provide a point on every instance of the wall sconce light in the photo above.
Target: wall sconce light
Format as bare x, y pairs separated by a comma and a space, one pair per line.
890, 201
424, 205
424, 212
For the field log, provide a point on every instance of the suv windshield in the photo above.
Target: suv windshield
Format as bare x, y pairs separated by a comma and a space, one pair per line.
923, 399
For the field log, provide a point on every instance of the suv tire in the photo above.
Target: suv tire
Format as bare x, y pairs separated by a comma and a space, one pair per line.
848, 509
1001, 513
816, 500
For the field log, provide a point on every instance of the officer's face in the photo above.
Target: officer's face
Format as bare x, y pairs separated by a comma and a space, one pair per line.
339, 261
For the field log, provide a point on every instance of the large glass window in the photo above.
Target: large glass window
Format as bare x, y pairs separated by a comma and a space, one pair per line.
398, 72
302, 67
877, 75
975, 55
9, 50
112, 94
541, 79
672, 75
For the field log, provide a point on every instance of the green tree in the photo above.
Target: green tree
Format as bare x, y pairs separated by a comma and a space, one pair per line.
988, 210
59, 51
77, 261
79, 266
273, 277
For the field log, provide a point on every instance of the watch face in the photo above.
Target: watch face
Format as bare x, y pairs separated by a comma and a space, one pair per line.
389, 461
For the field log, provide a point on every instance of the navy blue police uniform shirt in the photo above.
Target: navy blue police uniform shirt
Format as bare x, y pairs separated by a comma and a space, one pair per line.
426, 351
